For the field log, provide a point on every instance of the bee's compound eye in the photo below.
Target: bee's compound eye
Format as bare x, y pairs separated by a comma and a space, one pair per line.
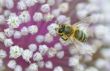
60, 30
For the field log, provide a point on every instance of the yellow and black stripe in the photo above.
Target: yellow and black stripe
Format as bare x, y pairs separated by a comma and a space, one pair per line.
80, 35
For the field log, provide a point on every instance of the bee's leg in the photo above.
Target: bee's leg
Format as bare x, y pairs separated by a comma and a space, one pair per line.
64, 38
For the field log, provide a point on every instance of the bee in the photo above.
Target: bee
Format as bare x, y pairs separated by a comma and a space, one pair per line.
71, 32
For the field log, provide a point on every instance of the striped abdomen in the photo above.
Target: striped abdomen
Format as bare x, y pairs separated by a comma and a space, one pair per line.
80, 35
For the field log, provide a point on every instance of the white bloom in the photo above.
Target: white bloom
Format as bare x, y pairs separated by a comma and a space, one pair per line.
27, 54
6, 13
73, 61
2, 36
13, 21
98, 18
58, 46
86, 49
48, 17
1, 63
24, 31
73, 50
11, 64
79, 67
51, 29
92, 8
39, 38
51, 2
37, 56
15, 51
91, 69
18, 68
61, 19
9, 32
82, 14
33, 67
43, 49
17, 35
101, 31
32, 47
2, 19
8, 42
21, 5
41, 1
105, 52
51, 52
49, 65
45, 8
64, 7
87, 58
101, 63
41, 64
38, 16
48, 38
3, 54
81, 6
58, 68
60, 54
9, 4
25, 17
30, 3
2, 3
56, 12
33, 29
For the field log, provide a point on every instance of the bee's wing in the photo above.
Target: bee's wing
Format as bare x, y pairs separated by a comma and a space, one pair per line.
84, 21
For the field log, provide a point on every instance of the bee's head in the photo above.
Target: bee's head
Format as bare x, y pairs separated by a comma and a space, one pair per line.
60, 30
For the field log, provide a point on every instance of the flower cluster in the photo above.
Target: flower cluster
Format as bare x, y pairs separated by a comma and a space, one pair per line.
28, 35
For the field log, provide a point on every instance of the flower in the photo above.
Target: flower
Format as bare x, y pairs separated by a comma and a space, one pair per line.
32, 47
39, 38
45, 8
43, 49
48, 38
64, 7
73, 61
26, 55
49, 65
2, 36
12, 64
18, 68
30, 3
13, 21
51, 52
51, 2
17, 35
41, 64
15, 51
24, 31
51, 29
58, 68
38, 16
8, 42
9, 32
24, 17
2, 19
60, 54
32, 67
21, 5
37, 56
33, 29
3, 54
9, 4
